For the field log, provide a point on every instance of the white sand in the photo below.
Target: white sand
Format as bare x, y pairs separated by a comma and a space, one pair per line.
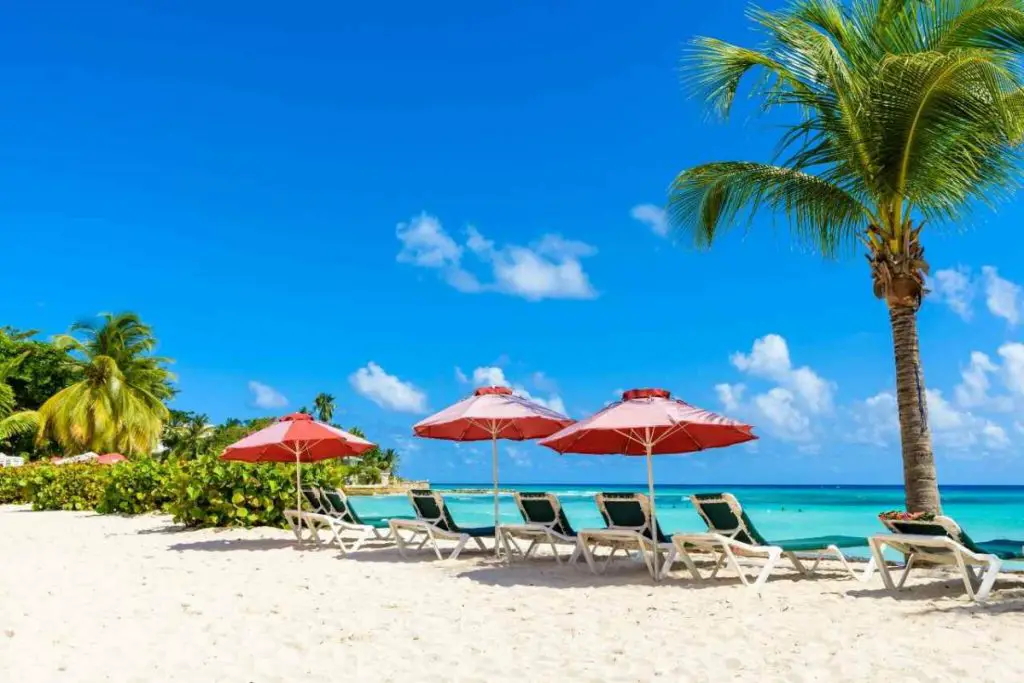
89, 598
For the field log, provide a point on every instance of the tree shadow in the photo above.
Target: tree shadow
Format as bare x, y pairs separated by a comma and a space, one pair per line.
243, 544
947, 590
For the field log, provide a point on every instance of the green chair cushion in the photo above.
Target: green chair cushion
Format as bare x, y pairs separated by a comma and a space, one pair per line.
798, 545
1003, 549
479, 531
537, 509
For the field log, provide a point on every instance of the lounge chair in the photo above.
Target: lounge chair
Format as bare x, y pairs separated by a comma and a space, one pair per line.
545, 523
347, 522
940, 540
731, 535
628, 516
433, 523
308, 517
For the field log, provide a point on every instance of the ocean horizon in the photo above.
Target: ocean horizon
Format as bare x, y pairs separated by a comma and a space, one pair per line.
779, 511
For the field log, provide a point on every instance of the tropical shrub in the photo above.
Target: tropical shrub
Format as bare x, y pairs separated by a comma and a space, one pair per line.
12, 485
210, 492
138, 486
67, 487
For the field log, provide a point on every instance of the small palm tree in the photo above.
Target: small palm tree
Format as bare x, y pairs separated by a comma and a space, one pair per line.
905, 112
14, 423
324, 404
193, 436
118, 402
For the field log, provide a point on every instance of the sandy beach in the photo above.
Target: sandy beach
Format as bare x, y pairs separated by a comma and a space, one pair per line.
87, 598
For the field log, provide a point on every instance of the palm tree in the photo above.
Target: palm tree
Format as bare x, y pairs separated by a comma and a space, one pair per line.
906, 112
13, 423
324, 404
118, 402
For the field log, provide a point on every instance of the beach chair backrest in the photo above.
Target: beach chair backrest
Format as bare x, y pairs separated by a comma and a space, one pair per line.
940, 525
338, 502
628, 511
545, 509
312, 496
724, 515
430, 507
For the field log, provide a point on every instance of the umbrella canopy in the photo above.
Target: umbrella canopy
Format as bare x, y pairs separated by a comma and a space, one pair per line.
110, 458
492, 413
297, 438
649, 422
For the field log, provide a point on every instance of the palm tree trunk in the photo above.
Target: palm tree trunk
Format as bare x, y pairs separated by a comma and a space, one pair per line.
920, 483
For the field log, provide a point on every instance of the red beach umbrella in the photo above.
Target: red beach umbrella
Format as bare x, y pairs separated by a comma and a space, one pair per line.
492, 413
110, 458
297, 438
649, 422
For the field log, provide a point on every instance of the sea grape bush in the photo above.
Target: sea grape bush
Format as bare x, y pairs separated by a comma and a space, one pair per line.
208, 491
12, 485
67, 487
202, 492
138, 486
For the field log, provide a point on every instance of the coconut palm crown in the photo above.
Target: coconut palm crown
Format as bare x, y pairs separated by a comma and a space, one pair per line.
905, 114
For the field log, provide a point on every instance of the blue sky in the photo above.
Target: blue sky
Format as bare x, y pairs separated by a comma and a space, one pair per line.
390, 202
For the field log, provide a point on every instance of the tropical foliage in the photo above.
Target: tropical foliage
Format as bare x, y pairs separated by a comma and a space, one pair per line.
117, 402
904, 113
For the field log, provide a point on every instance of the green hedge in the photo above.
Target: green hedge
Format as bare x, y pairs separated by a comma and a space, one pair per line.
12, 485
208, 491
138, 486
203, 492
67, 487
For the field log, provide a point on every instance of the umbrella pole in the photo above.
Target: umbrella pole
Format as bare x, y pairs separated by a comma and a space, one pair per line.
494, 473
654, 517
298, 490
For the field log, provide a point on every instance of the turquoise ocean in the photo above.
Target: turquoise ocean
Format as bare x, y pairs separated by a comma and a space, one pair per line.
780, 512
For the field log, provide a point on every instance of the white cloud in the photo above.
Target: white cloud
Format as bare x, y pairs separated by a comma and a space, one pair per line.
769, 359
953, 287
491, 376
388, 391
876, 420
653, 217
973, 389
461, 376
425, 243
1012, 354
784, 418
549, 268
730, 395
518, 455
960, 430
265, 396
1001, 296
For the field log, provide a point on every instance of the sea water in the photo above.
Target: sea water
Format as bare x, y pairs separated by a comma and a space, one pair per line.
779, 512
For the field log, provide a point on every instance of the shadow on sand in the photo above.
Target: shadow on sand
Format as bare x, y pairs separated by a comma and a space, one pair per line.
241, 544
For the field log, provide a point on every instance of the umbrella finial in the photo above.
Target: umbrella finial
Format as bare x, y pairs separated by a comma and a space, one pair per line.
633, 394
483, 391
296, 417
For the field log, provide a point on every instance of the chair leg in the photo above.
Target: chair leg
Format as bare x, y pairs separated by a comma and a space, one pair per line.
688, 562
773, 558
463, 540
531, 548
988, 579
399, 542
575, 556
906, 571
798, 564
362, 538
588, 555
869, 570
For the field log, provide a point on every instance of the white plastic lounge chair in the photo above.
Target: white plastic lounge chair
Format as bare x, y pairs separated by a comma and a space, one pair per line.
628, 516
433, 523
940, 540
545, 523
308, 518
346, 522
731, 536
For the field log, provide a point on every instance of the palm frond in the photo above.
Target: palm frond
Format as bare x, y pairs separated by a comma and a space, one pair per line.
709, 198
17, 424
